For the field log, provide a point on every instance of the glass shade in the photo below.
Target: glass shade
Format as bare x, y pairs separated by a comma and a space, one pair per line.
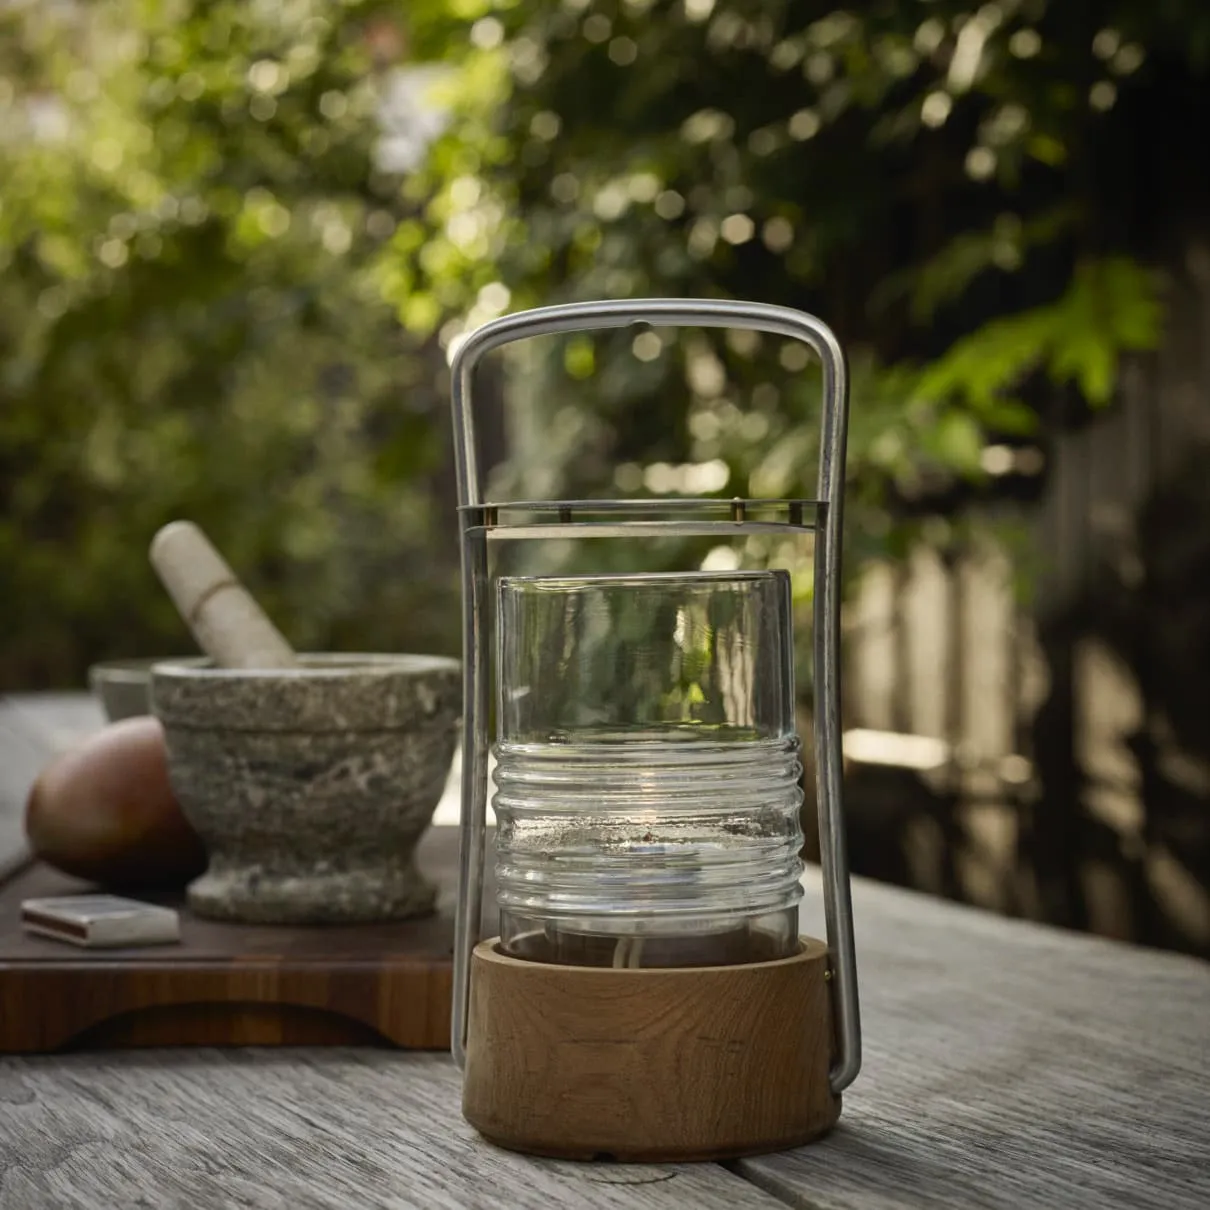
647, 769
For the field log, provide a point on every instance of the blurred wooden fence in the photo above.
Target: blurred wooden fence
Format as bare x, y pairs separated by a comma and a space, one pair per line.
1055, 787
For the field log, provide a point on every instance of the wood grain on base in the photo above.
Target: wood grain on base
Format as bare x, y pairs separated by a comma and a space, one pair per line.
695, 1063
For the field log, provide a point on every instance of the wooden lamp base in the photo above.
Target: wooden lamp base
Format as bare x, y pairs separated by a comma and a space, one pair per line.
697, 1063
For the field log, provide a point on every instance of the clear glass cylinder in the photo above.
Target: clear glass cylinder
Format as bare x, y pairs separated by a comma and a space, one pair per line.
647, 769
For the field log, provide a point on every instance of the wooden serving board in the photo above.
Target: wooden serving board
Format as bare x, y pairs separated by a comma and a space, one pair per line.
232, 985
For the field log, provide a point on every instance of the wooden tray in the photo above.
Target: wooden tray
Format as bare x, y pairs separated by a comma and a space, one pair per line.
232, 985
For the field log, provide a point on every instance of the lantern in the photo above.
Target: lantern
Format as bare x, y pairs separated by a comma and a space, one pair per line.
649, 995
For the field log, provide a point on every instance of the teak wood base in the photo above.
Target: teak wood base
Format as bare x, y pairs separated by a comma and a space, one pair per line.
700, 1063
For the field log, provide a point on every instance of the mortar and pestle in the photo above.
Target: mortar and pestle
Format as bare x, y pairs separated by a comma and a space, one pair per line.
309, 778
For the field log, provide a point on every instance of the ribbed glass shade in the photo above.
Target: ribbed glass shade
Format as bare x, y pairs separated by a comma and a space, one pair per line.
647, 769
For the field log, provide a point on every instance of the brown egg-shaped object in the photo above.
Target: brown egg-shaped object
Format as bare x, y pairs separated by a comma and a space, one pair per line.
105, 811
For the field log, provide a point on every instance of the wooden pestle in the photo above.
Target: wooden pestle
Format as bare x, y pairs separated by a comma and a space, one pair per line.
226, 621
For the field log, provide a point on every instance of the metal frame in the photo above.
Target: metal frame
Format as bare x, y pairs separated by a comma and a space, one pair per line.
481, 522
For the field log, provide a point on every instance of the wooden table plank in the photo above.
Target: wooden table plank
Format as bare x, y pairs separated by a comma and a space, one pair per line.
262, 1130
1010, 1065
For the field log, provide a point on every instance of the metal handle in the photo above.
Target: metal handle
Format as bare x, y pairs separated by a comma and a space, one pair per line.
666, 312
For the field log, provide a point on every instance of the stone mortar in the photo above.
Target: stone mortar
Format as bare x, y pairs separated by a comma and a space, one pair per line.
310, 786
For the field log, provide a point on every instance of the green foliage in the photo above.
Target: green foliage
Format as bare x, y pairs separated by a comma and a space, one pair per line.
191, 325
202, 274
1110, 307
926, 175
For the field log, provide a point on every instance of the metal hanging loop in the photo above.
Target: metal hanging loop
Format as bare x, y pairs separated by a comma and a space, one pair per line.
480, 521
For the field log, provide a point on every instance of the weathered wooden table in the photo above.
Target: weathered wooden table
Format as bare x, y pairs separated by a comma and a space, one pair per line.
1006, 1065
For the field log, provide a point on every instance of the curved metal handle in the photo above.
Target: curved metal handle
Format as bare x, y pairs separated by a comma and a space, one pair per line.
670, 312
658, 312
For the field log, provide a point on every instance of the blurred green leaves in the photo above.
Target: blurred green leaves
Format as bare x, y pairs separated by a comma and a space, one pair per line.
921, 174
221, 298
192, 324
1110, 307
